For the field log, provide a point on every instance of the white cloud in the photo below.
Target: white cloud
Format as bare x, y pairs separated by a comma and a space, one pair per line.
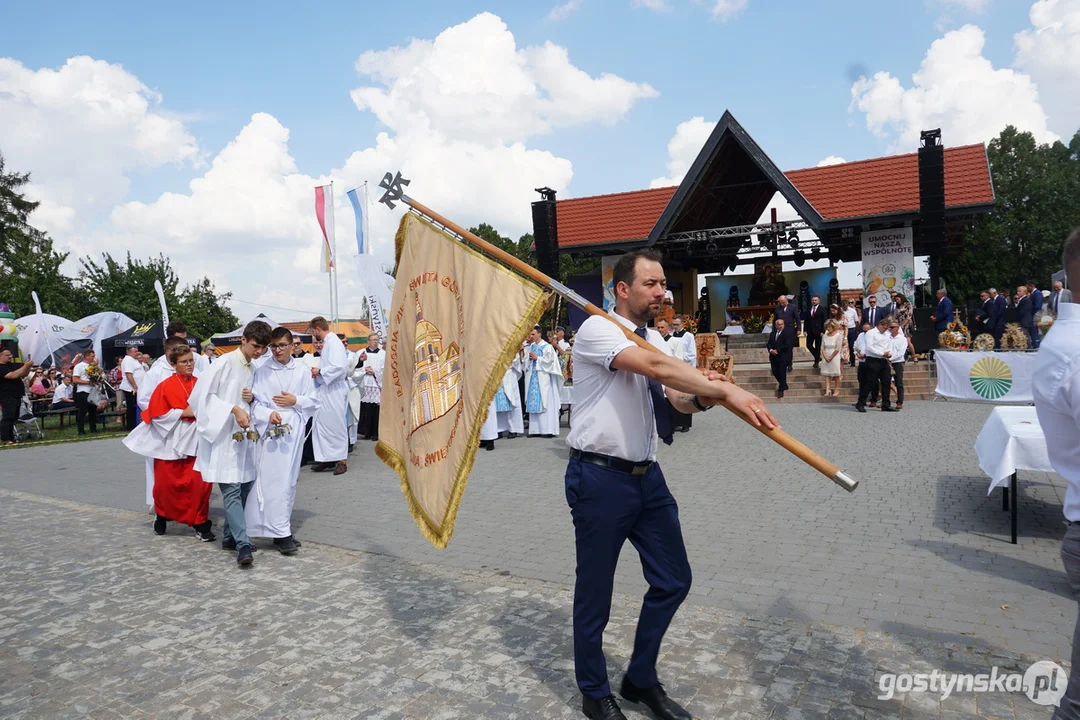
831, 160
473, 83
956, 89
683, 148
458, 109
81, 129
1047, 52
725, 10
654, 5
564, 10
975, 6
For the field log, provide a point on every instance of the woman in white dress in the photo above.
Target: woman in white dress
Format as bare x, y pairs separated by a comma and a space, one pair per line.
831, 346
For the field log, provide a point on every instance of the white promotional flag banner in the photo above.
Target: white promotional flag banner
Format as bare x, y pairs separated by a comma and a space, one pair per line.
1003, 377
161, 301
888, 264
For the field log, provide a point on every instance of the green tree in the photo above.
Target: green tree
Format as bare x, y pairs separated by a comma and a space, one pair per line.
203, 310
128, 287
1038, 204
28, 261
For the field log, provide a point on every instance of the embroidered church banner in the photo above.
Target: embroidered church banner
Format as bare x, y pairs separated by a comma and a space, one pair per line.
457, 320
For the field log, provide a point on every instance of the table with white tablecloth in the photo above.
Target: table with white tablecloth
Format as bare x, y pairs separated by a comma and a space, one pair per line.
1011, 440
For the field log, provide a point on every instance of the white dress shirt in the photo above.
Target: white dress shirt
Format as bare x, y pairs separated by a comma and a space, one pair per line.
82, 371
63, 392
851, 318
613, 412
878, 343
899, 347
130, 365
860, 347
1056, 387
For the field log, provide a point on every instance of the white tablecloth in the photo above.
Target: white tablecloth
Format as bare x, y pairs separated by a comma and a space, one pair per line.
567, 395
1011, 440
732, 330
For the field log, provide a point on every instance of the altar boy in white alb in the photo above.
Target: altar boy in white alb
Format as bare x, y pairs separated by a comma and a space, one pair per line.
543, 386
329, 433
508, 399
284, 399
227, 456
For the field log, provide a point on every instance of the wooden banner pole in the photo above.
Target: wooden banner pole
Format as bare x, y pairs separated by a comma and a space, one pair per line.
777, 435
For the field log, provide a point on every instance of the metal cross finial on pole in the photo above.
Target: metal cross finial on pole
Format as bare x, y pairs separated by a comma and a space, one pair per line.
392, 184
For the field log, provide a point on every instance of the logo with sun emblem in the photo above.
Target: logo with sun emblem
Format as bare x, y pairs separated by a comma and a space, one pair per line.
991, 378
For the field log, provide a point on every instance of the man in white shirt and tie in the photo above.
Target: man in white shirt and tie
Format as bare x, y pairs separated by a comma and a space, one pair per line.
1056, 387
879, 352
615, 488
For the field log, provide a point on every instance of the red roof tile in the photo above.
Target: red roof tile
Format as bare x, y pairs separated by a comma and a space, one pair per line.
890, 185
866, 188
603, 219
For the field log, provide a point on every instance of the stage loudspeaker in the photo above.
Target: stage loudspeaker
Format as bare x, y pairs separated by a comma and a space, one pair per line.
931, 194
545, 234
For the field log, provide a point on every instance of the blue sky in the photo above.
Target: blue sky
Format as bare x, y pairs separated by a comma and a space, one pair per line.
785, 69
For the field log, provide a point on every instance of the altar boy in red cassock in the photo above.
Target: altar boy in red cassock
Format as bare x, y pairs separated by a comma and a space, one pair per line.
169, 436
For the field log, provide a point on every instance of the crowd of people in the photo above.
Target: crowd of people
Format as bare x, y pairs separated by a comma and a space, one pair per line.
875, 341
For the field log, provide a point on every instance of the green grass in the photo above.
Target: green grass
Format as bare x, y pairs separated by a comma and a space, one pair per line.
54, 434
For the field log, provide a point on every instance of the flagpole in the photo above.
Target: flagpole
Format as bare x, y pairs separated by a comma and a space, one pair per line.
367, 250
777, 435
333, 251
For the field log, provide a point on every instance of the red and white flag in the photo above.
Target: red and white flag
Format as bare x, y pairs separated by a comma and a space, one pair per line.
324, 212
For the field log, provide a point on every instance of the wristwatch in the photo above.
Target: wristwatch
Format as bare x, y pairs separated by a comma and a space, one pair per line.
699, 406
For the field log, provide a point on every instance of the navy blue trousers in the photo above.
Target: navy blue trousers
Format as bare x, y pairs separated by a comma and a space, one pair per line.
608, 508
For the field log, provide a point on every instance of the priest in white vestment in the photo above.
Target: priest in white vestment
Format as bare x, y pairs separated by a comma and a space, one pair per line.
543, 385
508, 399
330, 437
227, 453
353, 371
684, 347
284, 399
373, 361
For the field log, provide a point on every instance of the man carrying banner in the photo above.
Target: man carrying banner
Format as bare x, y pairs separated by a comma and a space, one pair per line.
330, 436
615, 488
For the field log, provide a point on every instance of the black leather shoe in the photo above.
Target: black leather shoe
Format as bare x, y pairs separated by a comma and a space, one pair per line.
888, 409
655, 699
860, 408
603, 709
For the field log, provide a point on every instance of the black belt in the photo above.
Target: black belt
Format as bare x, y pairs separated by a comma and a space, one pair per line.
626, 466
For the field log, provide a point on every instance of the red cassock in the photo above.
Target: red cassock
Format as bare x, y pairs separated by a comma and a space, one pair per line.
179, 491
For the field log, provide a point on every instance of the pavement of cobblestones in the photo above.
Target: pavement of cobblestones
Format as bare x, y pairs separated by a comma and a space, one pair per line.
918, 549
102, 619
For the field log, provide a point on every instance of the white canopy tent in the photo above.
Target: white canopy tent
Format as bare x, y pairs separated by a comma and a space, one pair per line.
35, 338
94, 328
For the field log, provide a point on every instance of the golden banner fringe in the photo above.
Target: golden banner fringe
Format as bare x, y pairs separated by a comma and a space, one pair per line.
438, 534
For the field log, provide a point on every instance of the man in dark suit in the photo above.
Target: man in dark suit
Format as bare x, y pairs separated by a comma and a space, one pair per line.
890, 308
943, 314
872, 314
1025, 313
1036, 309
982, 322
997, 316
786, 311
780, 349
814, 322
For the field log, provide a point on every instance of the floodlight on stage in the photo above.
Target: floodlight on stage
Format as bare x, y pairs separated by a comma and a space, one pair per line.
800, 258
793, 238
711, 248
